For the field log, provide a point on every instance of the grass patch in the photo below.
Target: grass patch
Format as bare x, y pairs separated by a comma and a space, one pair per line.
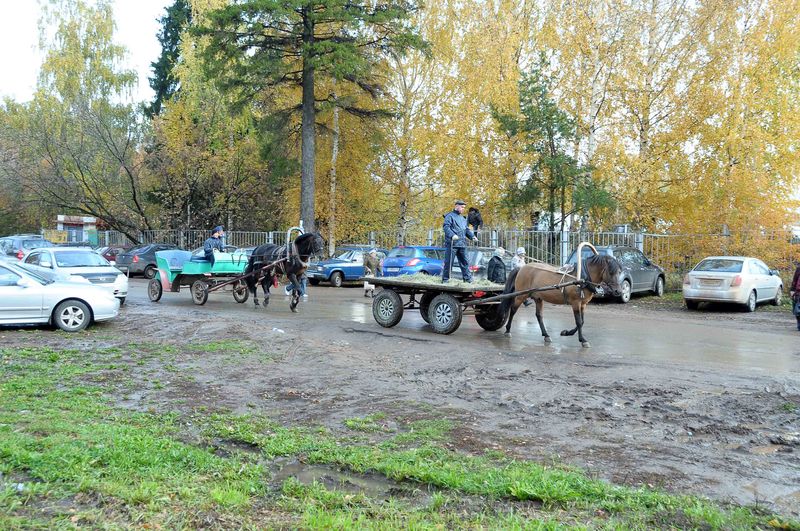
368, 424
96, 466
225, 346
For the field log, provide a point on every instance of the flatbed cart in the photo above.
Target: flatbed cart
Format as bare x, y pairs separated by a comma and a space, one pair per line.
176, 269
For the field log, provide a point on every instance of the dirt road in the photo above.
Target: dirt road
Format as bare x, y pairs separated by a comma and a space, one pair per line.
702, 402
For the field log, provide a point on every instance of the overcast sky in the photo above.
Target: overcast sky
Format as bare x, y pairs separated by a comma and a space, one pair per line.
136, 29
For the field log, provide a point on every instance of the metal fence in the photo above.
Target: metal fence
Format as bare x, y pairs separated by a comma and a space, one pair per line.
676, 253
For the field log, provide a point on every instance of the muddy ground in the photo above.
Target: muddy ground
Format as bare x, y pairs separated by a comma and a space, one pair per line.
703, 402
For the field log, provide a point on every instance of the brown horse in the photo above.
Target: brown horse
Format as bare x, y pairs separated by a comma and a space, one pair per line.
597, 270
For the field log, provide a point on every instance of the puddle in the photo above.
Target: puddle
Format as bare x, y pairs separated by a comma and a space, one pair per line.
371, 485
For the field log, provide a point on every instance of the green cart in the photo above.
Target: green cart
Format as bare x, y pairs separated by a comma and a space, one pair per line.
177, 269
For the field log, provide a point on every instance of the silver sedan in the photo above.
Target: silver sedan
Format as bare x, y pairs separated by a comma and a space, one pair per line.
735, 279
28, 297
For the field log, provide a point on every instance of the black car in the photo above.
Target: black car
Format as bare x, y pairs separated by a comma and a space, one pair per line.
141, 260
18, 244
638, 273
478, 262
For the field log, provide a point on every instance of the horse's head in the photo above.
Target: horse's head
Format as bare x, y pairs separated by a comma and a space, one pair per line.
605, 270
309, 244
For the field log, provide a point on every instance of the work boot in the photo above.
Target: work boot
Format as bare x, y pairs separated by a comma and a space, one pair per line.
366, 293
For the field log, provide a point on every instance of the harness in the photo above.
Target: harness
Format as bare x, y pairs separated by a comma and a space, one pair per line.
585, 282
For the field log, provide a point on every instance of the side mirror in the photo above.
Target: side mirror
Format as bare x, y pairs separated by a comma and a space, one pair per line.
647, 262
46, 264
25, 283
354, 260
773, 272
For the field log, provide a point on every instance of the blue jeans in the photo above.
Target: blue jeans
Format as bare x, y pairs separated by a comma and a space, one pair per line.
461, 254
303, 284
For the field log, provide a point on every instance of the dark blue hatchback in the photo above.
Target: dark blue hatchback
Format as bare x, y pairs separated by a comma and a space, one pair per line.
346, 266
407, 260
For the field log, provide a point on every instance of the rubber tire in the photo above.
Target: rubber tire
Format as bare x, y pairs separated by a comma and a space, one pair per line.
445, 314
154, 290
387, 308
626, 293
778, 297
692, 305
752, 302
149, 271
337, 279
659, 291
199, 291
491, 320
74, 311
425, 304
240, 292
313, 281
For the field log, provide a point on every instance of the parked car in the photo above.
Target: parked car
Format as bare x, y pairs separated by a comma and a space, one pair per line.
141, 260
735, 279
478, 262
67, 262
639, 274
28, 297
110, 252
18, 244
87, 245
410, 259
346, 266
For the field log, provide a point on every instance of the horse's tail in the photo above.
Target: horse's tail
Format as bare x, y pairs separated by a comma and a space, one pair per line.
510, 281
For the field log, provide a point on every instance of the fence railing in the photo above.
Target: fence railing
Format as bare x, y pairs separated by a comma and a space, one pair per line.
676, 253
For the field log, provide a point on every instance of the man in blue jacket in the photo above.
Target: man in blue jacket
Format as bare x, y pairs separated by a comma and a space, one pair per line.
214, 242
456, 233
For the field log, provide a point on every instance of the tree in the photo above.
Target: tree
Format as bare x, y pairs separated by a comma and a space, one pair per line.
256, 45
164, 82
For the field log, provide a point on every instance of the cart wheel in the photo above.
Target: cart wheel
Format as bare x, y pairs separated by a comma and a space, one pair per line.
199, 292
387, 308
154, 290
424, 305
490, 318
444, 314
240, 292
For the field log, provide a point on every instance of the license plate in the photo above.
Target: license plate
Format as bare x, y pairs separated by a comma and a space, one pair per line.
710, 283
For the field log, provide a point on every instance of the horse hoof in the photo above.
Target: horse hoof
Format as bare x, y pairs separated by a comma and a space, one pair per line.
507, 334
294, 310
547, 339
256, 302
585, 344
565, 332
266, 303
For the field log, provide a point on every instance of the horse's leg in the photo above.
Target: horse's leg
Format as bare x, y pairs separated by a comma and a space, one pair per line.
582, 339
514, 308
295, 292
539, 306
252, 285
265, 282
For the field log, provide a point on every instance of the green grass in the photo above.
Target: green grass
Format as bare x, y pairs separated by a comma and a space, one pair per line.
92, 465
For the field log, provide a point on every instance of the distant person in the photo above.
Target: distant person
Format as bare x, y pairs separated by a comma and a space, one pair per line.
519, 258
456, 233
496, 270
474, 219
795, 294
303, 280
372, 268
214, 243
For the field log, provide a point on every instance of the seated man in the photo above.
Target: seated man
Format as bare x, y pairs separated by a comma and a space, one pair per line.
214, 242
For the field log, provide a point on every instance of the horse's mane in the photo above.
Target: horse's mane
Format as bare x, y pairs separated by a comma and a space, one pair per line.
604, 260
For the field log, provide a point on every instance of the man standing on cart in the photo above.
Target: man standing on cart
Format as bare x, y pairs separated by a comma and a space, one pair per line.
214, 242
456, 233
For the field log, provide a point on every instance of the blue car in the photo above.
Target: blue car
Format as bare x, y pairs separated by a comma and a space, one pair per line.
346, 266
407, 260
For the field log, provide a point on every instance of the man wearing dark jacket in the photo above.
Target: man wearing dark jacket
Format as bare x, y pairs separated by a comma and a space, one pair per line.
496, 270
214, 242
474, 218
794, 291
456, 233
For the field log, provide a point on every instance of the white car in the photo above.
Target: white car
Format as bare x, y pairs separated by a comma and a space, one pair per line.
29, 297
734, 279
71, 262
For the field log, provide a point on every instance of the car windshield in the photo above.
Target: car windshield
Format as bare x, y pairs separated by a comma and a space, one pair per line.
80, 259
720, 265
35, 244
39, 276
402, 252
344, 255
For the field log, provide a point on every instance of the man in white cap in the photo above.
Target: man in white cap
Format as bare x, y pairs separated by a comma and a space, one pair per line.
456, 233
519, 258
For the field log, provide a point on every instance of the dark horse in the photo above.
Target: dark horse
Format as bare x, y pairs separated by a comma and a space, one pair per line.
597, 270
294, 262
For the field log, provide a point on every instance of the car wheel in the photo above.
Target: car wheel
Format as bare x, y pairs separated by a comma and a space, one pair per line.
778, 297
692, 305
240, 292
424, 304
750, 306
337, 279
659, 291
72, 316
199, 292
626, 291
313, 281
154, 290
149, 272
491, 318
444, 314
387, 308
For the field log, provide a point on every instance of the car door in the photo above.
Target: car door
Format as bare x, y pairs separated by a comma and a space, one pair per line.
354, 269
634, 261
765, 286
649, 272
18, 304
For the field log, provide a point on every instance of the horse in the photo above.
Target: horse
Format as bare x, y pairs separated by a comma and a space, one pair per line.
597, 270
293, 263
